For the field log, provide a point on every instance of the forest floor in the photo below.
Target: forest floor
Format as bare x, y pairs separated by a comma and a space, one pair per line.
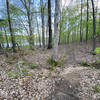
26, 75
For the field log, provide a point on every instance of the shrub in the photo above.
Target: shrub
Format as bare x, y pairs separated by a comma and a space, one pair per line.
84, 63
15, 75
96, 88
97, 51
24, 70
33, 66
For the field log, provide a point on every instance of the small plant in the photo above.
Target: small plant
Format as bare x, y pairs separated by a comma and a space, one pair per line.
96, 88
84, 63
61, 63
51, 62
28, 74
24, 70
23, 62
55, 63
52, 67
97, 51
15, 75
33, 66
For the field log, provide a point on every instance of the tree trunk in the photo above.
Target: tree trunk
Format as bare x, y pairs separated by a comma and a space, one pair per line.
81, 24
31, 40
27, 5
42, 17
87, 21
38, 32
10, 27
94, 26
56, 30
6, 37
49, 24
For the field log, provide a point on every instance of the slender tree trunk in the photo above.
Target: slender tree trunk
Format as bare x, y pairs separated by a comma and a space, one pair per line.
42, 17
94, 26
38, 32
49, 24
6, 37
99, 26
68, 37
56, 30
47, 34
87, 21
81, 24
27, 5
31, 38
10, 27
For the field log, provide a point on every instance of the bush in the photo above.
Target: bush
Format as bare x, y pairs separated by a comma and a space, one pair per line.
84, 64
97, 51
24, 70
96, 88
15, 75
33, 66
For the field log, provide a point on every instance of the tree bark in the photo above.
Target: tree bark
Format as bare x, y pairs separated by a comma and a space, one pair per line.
81, 24
94, 26
6, 37
39, 38
87, 22
56, 30
42, 17
10, 27
49, 24
28, 7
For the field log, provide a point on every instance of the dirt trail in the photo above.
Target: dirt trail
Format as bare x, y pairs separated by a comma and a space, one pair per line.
68, 87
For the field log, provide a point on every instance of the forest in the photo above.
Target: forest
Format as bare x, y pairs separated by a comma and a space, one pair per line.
49, 50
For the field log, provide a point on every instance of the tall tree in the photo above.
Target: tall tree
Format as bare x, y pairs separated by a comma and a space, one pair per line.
94, 26
56, 29
81, 23
39, 37
87, 21
27, 6
10, 27
49, 24
6, 37
42, 17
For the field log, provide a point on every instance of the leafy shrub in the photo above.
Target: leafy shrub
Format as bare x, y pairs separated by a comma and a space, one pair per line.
51, 62
24, 70
97, 51
55, 63
28, 74
96, 88
84, 63
33, 66
15, 75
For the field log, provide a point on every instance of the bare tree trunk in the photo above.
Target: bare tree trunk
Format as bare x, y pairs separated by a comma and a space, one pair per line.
87, 21
99, 26
6, 37
10, 28
28, 10
94, 26
38, 32
49, 24
42, 17
81, 24
56, 30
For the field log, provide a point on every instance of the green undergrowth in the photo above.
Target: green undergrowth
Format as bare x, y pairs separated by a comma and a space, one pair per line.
96, 88
86, 64
33, 66
95, 65
11, 74
54, 64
